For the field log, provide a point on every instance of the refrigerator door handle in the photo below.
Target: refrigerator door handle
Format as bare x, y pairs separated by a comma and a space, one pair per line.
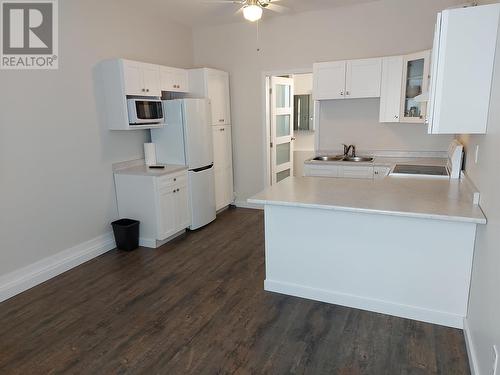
202, 168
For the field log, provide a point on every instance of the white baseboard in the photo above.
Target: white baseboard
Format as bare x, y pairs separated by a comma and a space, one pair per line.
147, 242
27, 277
245, 204
471, 350
363, 303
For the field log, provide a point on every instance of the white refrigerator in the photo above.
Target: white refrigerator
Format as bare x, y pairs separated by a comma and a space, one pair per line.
186, 139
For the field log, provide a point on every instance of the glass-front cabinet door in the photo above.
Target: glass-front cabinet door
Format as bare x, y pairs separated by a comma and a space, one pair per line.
415, 82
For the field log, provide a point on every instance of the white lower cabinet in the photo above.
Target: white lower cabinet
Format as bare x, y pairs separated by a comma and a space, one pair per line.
342, 171
321, 170
223, 166
160, 203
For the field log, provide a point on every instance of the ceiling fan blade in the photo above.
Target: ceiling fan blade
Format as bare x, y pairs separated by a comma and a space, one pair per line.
277, 8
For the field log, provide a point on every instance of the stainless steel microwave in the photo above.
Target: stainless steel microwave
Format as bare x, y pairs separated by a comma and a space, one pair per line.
145, 111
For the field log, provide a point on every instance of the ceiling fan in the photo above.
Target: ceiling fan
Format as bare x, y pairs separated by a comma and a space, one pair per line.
253, 9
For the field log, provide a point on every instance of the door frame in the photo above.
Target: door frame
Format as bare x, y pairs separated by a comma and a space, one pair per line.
266, 113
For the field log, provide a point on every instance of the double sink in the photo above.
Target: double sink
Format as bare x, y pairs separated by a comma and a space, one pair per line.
354, 159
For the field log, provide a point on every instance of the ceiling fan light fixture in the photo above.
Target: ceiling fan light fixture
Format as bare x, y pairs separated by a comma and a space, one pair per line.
252, 12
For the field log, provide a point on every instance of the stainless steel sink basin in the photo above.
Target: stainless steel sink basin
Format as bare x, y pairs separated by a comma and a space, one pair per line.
329, 158
355, 159
358, 159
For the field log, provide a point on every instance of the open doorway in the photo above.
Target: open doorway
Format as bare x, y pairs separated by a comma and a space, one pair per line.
289, 124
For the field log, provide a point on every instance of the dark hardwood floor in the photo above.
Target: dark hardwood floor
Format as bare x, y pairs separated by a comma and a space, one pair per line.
197, 306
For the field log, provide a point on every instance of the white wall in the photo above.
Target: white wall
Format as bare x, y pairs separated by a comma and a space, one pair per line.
484, 306
55, 157
386, 27
356, 122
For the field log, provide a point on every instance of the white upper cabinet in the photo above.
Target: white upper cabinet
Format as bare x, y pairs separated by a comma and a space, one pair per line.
363, 78
212, 84
391, 88
347, 79
141, 79
415, 82
329, 80
174, 79
462, 69
403, 79
218, 92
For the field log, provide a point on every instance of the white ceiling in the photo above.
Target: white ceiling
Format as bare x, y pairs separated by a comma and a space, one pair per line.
198, 13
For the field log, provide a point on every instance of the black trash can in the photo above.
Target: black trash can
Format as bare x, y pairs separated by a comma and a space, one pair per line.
126, 233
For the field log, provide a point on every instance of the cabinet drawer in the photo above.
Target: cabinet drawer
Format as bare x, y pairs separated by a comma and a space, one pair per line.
357, 172
178, 179
321, 171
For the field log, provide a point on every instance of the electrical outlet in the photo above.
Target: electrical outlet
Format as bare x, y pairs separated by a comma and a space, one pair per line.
476, 159
496, 370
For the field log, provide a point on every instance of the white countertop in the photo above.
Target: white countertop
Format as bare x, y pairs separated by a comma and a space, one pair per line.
430, 198
142, 170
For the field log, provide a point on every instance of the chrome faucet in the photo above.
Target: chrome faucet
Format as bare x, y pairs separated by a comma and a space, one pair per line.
351, 148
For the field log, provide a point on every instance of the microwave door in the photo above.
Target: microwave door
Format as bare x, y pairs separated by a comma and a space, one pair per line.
148, 110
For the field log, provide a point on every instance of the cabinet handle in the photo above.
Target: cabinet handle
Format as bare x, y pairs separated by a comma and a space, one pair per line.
178, 190
396, 116
174, 191
347, 93
143, 90
147, 90
175, 179
221, 120
342, 92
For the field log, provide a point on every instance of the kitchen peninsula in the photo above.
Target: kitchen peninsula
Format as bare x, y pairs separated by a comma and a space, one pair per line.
401, 246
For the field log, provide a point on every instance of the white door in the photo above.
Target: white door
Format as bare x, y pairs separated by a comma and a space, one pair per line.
201, 197
182, 208
151, 74
416, 76
329, 80
363, 78
281, 113
133, 78
167, 212
223, 166
218, 92
197, 132
391, 91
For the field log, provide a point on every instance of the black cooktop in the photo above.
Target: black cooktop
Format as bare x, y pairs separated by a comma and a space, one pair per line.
430, 170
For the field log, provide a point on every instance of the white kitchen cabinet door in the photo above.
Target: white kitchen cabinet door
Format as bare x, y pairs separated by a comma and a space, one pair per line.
329, 80
363, 78
330, 170
381, 172
356, 172
223, 166
416, 74
167, 212
181, 208
141, 79
391, 88
463, 62
133, 78
218, 93
151, 74
173, 79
